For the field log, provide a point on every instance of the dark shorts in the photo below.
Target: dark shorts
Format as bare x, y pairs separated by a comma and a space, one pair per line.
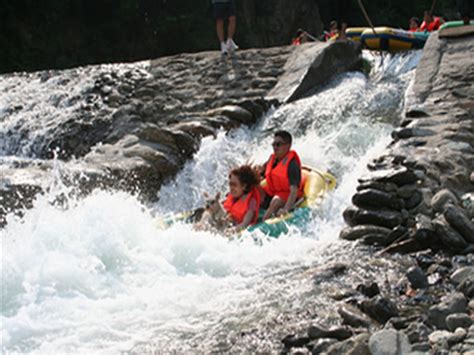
223, 10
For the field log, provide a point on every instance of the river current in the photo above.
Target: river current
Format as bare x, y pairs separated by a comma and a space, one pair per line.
100, 277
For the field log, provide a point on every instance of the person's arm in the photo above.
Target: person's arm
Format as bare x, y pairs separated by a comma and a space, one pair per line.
294, 177
291, 200
253, 208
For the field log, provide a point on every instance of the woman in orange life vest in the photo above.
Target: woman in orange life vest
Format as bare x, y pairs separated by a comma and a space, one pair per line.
283, 176
430, 23
243, 200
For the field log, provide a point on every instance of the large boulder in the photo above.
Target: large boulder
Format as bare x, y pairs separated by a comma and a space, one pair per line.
312, 65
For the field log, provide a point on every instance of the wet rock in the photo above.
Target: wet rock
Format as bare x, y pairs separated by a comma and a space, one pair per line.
312, 65
417, 277
389, 341
374, 239
461, 274
379, 217
421, 347
370, 290
458, 320
467, 202
327, 272
375, 185
439, 336
467, 287
414, 200
293, 341
458, 220
425, 231
375, 198
417, 332
424, 259
357, 232
320, 345
379, 309
357, 345
407, 191
442, 198
417, 113
236, 113
353, 317
449, 237
454, 303
316, 331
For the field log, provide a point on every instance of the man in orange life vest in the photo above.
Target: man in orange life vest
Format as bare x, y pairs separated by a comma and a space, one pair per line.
283, 175
430, 23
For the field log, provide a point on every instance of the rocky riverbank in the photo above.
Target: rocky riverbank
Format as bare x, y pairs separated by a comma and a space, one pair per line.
418, 200
133, 127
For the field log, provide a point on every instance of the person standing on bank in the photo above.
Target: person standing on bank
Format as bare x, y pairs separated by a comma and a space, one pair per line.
225, 9
285, 184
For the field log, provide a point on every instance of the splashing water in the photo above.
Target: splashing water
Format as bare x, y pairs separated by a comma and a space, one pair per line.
96, 275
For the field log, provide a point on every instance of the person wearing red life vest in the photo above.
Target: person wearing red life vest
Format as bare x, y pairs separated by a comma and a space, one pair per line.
283, 176
414, 24
430, 23
243, 201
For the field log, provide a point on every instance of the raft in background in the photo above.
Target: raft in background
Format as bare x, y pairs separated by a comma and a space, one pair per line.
452, 24
391, 39
354, 33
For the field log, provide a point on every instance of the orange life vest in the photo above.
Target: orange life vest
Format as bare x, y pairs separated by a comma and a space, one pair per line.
238, 208
296, 41
432, 26
277, 179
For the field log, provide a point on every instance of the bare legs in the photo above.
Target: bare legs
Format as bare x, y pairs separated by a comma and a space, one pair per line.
231, 27
220, 29
275, 205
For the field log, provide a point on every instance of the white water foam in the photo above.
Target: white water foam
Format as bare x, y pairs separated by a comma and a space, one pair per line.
100, 277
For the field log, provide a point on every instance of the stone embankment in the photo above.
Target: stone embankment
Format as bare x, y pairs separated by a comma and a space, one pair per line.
136, 128
418, 200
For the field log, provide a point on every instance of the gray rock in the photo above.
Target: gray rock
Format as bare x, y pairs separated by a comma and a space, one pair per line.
236, 113
458, 320
421, 347
439, 336
417, 277
316, 331
327, 272
353, 317
357, 345
312, 65
293, 341
449, 237
453, 303
458, 220
379, 309
417, 332
467, 286
379, 217
357, 232
442, 198
388, 342
461, 274
375, 198
320, 345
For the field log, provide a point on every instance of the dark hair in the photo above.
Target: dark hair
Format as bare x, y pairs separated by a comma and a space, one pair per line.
247, 175
299, 32
415, 19
286, 136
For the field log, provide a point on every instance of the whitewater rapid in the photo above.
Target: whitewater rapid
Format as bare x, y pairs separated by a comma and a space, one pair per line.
96, 274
